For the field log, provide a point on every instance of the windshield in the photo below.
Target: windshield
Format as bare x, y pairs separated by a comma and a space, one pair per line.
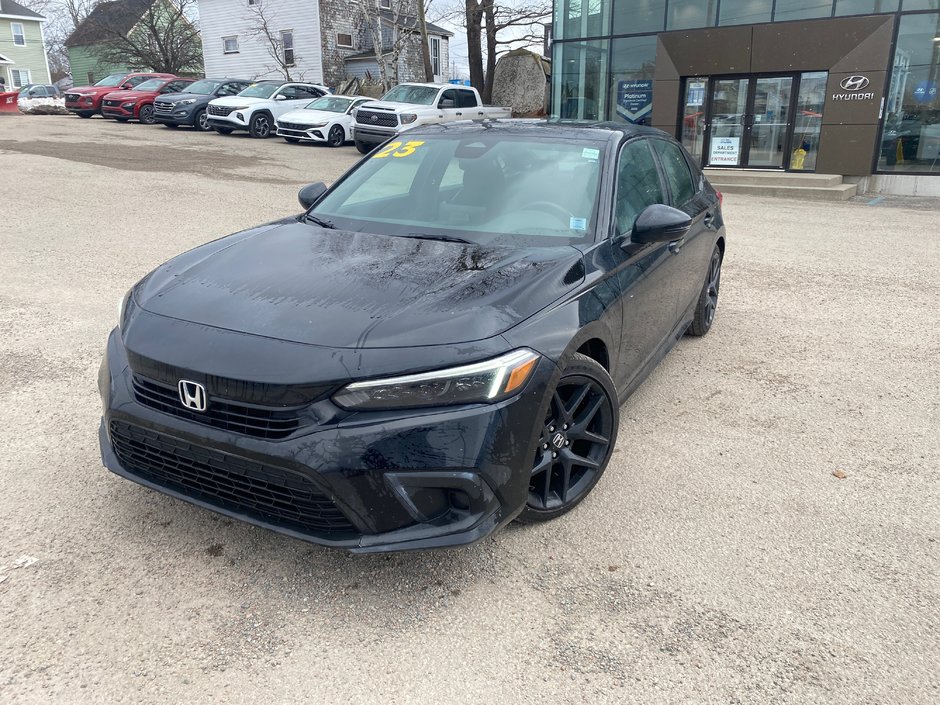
203, 87
260, 90
419, 95
486, 187
152, 85
113, 80
329, 103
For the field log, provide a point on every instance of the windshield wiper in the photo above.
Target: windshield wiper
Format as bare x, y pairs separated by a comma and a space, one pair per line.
319, 221
442, 238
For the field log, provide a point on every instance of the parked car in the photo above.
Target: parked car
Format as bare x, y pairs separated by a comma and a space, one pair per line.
410, 105
85, 101
137, 104
439, 345
40, 90
188, 107
327, 119
257, 107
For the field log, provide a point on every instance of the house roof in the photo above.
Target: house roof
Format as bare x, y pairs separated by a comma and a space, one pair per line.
107, 18
412, 23
8, 7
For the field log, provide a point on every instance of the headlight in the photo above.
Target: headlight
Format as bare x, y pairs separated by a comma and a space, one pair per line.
128, 106
188, 101
122, 308
408, 118
480, 383
315, 124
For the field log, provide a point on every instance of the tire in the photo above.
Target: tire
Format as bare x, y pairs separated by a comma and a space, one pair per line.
292, 140
336, 136
201, 121
84, 115
260, 126
224, 130
363, 147
576, 441
708, 298
145, 115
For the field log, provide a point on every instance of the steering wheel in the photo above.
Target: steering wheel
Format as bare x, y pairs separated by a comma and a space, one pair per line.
561, 212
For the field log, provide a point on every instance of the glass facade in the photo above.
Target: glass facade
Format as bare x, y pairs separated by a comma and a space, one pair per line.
911, 136
604, 54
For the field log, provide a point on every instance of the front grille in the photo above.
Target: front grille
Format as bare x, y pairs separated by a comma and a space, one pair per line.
73, 97
260, 422
382, 119
159, 107
222, 110
292, 126
112, 102
274, 495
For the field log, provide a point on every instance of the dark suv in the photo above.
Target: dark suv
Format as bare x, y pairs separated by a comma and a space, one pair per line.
189, 106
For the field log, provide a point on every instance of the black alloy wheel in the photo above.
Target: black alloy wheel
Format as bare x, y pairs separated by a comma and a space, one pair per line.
576, 440
201, 121
336, 137
146, 115
260, 126
708, 298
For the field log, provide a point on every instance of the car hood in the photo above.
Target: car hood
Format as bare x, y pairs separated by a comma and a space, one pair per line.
396, 107
125, 96
238, 102
309, 117
176, 97
93, 90
294, 281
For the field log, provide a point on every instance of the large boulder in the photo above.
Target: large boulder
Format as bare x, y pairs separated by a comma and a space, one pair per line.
521, 79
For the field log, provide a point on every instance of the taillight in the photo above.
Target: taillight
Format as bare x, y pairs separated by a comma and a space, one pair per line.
721, 199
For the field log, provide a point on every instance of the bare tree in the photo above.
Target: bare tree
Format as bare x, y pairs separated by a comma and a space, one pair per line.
390, 30
165, 39
263, 26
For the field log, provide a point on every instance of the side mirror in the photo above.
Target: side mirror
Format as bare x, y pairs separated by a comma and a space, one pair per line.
446, 104
126, 87
659, 223
309, 194
280, 96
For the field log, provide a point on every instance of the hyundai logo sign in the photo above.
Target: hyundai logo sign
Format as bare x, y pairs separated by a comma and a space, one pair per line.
854, 83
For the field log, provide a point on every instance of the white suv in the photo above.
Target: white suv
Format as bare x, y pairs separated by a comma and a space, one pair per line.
257, 107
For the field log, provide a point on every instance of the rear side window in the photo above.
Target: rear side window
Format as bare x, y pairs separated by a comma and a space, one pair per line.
677, 171
466, 99
638, 184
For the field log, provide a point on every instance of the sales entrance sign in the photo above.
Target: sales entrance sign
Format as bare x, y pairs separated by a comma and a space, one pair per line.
725, 150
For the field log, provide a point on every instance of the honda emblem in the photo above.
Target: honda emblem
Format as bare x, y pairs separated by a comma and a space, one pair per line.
193, 395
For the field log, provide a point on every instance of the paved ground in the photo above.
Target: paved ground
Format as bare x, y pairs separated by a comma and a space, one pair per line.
719, 561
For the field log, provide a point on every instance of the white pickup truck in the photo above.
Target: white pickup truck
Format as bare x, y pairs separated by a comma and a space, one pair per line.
411, 104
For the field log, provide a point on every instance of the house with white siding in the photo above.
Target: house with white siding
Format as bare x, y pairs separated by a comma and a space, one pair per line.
321, 41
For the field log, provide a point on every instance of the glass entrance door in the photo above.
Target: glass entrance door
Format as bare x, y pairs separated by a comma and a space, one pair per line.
749, 121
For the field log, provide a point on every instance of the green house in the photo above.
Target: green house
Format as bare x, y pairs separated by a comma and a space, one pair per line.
22, 46
85, 43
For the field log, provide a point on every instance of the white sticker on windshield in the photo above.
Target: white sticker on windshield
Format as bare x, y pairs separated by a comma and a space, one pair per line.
590, 153
578, 224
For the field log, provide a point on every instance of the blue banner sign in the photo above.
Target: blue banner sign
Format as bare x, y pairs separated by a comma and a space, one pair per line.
635, 101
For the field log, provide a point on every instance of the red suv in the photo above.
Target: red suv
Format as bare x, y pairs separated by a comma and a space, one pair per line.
137, 104
85, 101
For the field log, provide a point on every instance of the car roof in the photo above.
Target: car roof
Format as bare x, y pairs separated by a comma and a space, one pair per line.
570, 129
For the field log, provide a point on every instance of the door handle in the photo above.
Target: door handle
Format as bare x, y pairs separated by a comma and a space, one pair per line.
675, 246
459, 113
709, 219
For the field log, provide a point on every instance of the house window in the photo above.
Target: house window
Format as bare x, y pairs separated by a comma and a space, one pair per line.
385, 4
229, 45
91, 77
19, 34
253, 2
287, 42
344, 40
435, 55
20, 77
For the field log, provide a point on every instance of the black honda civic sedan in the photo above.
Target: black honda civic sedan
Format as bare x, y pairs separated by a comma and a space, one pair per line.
439, 345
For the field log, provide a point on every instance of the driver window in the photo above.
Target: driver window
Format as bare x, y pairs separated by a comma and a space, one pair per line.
289, 92
449, 95
638, 184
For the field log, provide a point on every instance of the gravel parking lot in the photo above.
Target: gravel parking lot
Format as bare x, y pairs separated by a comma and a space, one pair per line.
768, 531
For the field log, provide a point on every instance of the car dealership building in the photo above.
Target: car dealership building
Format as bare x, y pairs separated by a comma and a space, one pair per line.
830, 86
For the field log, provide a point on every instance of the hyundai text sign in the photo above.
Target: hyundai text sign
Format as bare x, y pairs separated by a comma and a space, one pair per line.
854, 87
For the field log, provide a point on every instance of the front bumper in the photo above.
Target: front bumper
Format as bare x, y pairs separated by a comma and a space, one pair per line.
83, 106
372, 135
176, 116
310, 134
364, 482
231, 121
118, 111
